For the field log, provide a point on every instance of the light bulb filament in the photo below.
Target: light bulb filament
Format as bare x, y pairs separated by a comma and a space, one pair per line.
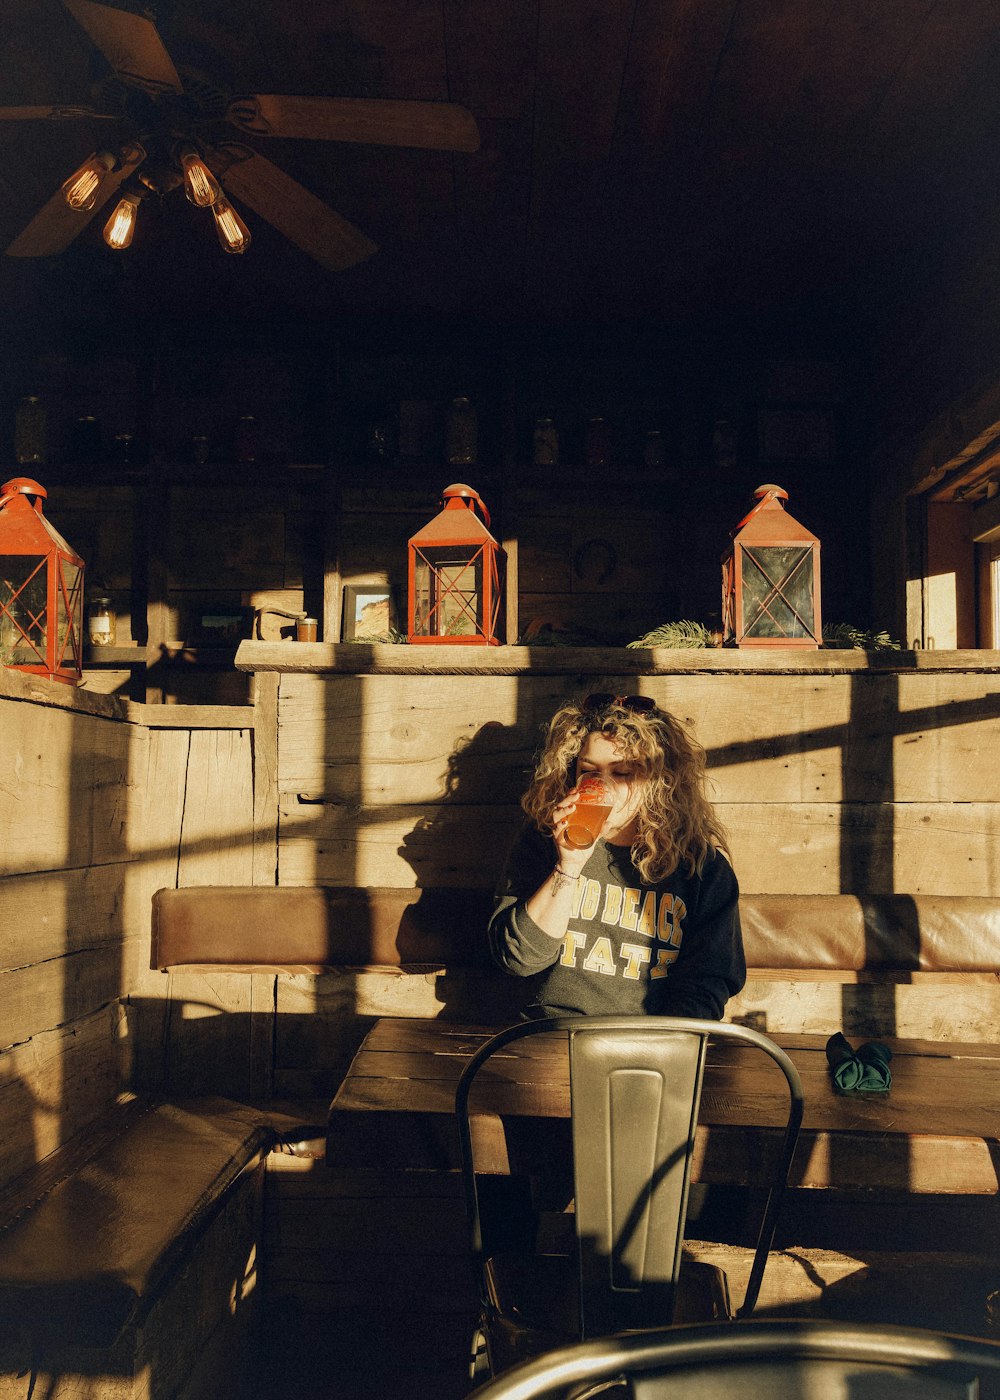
81, 188
200, 185
233, 232
119, 229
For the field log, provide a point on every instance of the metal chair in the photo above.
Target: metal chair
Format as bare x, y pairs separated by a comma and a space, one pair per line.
635, 1086
765, 1360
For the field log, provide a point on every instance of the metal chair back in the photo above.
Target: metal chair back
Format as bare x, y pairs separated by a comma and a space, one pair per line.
635, 1085
763, 1360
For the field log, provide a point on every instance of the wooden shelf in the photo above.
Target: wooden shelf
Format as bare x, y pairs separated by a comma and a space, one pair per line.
114, 658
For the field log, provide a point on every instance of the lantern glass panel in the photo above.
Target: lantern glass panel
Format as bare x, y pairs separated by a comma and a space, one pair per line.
22, 609
447, 593
69, 611
778, 591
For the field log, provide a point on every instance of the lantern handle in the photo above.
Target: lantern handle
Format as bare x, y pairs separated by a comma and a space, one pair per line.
23, 486
467, 493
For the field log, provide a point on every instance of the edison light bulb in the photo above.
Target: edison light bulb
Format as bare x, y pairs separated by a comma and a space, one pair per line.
200, 185
233, 232
82, 186
120, 227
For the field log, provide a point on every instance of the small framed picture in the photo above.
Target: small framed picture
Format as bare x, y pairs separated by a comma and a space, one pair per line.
369, 613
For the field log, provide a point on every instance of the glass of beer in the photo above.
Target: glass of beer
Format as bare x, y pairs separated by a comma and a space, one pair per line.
594, 800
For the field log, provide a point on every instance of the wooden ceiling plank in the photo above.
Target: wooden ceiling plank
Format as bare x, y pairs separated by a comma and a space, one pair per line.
957, 45
491, 53
582, 51
409, 39
491, 70
942, 113
796, 190
761, 67
669, 72
44, 54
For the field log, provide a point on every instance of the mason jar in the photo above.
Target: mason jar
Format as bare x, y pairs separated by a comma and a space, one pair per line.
31, 432
102, 623
545, 444
597, 444
460, 443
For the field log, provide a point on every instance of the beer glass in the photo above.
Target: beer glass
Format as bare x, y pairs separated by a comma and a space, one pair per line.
594, 800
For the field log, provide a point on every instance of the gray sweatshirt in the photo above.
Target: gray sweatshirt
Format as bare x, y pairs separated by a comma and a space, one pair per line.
671, 949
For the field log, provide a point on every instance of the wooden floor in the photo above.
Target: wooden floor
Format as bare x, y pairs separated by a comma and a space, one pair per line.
938, 1276
363, 1358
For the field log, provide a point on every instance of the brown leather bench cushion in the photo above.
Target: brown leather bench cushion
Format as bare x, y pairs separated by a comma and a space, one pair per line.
929, 933
86, 1257
288, 926
292, 927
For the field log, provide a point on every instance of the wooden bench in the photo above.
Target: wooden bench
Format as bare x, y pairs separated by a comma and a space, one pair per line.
128, 1257
924, 966
306, 927
420, 953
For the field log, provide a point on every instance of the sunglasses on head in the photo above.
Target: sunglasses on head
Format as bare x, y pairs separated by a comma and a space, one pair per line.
638, 704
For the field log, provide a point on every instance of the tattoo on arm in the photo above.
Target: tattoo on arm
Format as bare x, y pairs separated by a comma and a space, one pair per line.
562, 881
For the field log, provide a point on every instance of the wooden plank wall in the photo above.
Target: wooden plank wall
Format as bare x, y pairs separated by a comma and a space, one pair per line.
857, 782
98, 810
844, 781
68, 926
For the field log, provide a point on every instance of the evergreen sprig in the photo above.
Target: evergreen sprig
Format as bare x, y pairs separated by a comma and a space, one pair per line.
842, 636
682, 633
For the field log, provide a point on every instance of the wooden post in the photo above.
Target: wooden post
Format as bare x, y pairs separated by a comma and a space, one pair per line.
509, 531
264, 693
332, 581
157, 524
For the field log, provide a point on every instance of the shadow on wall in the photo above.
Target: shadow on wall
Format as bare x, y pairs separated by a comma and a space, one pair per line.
467, 837
472, 829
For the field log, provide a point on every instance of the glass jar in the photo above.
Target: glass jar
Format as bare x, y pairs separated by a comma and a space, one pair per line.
597, 444
123, 449
31, 432
102, 623
545, 443
461, 437
245, 440
377, 441
652, 451
87, 440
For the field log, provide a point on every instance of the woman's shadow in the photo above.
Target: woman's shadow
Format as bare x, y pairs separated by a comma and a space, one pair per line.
457, 853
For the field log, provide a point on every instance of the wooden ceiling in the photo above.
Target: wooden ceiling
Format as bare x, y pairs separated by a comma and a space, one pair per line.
641, 161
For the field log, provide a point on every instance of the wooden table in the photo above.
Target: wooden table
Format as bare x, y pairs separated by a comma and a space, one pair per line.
936, 1132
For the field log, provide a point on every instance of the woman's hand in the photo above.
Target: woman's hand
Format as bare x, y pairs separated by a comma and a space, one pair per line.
569, 859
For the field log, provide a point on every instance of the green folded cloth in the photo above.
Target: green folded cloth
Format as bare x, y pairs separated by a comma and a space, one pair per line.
862, 1071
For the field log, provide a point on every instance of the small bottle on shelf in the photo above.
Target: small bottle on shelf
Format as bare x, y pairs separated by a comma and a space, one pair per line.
102, 622
597, 444
31, 432
652, 451
461, 437
545, 444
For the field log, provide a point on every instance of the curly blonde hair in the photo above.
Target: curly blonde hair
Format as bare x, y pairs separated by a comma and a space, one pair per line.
677, 823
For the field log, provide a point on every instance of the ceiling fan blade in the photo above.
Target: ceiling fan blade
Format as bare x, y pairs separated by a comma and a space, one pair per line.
305, 220
130, 43
437, 126
56, 225
55, 112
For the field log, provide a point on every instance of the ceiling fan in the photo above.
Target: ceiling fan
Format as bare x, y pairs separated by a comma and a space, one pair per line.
176, 134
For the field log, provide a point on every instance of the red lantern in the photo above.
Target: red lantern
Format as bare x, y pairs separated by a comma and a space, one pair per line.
454, 575
41, 588
770, 579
